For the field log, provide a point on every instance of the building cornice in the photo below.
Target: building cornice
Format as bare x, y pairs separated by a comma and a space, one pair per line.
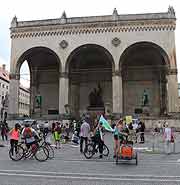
93, 28
94, 19
94, 24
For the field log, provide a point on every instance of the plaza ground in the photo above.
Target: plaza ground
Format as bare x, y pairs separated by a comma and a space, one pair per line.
70, 167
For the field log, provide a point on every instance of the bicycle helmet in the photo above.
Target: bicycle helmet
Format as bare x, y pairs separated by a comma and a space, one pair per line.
27, 125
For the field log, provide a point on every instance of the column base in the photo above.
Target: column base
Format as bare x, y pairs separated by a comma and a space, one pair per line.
116, 115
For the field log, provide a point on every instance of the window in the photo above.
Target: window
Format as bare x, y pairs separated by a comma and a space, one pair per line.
6, 87
2, 85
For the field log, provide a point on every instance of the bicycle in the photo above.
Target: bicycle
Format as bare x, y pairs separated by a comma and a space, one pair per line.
90, 151
48, 146
40, 153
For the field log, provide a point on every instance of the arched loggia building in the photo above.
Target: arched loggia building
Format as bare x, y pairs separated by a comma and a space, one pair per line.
119, 64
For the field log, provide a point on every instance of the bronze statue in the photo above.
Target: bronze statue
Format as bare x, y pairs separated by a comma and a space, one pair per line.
145, 100
95, 97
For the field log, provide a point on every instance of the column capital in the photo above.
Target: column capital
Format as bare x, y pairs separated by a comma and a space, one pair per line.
116, 73
14, 76
172, 71
64, 75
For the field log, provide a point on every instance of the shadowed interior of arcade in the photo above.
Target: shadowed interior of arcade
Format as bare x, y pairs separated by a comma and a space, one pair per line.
90, 79
144, 66
44, 80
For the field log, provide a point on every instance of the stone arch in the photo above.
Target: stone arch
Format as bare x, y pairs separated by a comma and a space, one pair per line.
99, 47
45, 66
89, 68
144, 66
146, 44
30, 52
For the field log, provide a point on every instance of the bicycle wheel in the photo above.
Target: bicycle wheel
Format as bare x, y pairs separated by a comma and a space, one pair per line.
89, 152
50, 150
105, 150
17, 155
41, 154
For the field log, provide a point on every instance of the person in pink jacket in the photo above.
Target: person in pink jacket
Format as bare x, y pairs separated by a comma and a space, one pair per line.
14, 137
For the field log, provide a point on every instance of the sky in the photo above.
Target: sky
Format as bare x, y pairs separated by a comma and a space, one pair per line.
44, 9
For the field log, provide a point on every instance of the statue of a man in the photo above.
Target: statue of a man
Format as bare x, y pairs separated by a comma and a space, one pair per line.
145, 100
93, 98
100, 102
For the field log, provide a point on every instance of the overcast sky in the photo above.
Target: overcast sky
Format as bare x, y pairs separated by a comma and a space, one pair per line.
44, 9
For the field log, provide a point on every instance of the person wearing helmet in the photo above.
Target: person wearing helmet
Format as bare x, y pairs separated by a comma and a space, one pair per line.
30, 135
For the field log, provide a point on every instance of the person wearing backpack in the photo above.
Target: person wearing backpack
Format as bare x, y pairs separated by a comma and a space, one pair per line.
30, 135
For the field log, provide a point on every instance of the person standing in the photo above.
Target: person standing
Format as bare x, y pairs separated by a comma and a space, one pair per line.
4, 131
168, 137
141, 130
99, 139
84, 134
14, 137
57, 135
74, 125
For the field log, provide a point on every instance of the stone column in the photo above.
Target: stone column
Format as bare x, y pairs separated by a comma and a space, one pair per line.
74, 98
172, 91
117, 94
13, 107
63, 92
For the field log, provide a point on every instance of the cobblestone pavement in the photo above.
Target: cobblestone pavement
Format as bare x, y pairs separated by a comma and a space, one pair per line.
70, 167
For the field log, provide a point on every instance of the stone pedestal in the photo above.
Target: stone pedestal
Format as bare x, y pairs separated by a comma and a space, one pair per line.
95, 111
146, 110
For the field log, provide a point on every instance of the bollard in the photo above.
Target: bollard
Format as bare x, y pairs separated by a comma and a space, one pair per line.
174, 147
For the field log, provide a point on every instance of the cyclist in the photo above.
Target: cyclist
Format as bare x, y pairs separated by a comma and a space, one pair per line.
98, 138
30, 135
119, 136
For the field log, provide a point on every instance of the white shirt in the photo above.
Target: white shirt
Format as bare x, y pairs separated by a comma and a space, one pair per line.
85, 129
135, 126
167, 133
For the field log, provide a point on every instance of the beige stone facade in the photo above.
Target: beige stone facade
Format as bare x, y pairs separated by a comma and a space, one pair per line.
128, 56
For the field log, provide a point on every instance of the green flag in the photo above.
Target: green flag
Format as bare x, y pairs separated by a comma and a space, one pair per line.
105, 123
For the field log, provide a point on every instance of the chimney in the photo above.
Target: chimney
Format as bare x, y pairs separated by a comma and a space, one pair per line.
4, 67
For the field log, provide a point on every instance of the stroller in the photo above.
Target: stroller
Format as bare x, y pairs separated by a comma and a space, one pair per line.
127, 152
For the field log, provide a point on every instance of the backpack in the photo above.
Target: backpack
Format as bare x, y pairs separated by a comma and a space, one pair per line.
27, 133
